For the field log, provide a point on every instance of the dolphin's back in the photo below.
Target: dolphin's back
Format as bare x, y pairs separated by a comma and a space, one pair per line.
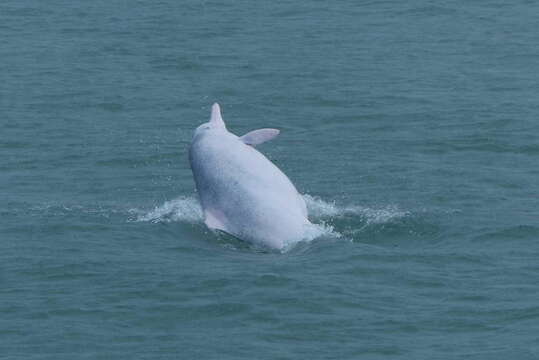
245, 194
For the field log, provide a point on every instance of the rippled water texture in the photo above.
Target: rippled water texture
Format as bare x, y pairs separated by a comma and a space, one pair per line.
411, 127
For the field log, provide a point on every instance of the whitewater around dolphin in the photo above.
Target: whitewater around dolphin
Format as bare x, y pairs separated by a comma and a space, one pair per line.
326, 217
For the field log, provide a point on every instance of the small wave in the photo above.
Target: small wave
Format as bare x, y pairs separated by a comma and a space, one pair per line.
183, 209
62, 210
511, 233
320, 209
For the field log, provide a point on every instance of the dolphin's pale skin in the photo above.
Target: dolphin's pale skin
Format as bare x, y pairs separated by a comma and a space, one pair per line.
241, 192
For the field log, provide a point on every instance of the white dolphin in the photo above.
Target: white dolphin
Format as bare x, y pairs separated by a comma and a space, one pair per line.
241, 192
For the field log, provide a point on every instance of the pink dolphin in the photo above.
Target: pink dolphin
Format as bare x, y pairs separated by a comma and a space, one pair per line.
242, 192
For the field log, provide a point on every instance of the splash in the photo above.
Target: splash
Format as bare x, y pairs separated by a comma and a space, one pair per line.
182, 209
314, 231
329, 219
320, 209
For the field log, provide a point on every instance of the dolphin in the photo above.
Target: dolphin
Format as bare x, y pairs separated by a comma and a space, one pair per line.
242, 192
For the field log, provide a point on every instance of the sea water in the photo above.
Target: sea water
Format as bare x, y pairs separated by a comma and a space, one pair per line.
411, 128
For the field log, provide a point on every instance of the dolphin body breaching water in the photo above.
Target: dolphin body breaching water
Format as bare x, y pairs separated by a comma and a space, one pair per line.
242, 192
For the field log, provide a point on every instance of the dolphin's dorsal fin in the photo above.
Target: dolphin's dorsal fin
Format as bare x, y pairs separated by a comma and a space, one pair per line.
257, 137
216, 118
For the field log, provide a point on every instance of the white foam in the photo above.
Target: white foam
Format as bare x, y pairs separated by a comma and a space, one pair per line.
187, 209
314, 231
320, 209
182, 209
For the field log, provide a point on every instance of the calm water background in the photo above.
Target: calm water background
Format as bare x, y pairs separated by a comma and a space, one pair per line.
411, 125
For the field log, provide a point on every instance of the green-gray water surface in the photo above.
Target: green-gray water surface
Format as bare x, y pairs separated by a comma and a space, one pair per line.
411, 126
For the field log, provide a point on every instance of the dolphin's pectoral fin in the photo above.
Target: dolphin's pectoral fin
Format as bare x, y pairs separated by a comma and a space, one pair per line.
259, 136
213, 220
